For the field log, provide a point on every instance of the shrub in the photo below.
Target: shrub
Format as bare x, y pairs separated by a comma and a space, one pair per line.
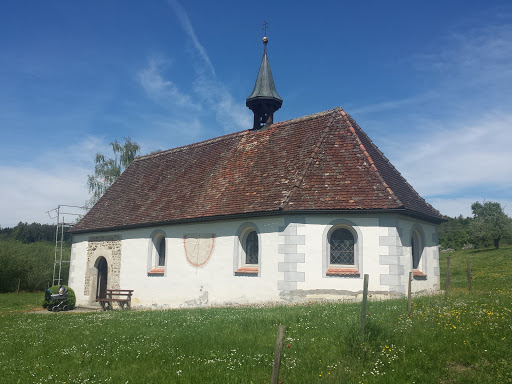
30, 265
71, 297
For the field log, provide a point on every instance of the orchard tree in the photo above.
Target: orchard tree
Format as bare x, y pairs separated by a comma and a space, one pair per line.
454, 233
490, 223
107, 170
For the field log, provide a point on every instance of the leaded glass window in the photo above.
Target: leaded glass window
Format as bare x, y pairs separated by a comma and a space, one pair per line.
251, 248
416, 253
161, 252
342, 247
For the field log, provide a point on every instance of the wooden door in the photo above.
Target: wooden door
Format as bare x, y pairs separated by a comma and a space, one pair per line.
101, 287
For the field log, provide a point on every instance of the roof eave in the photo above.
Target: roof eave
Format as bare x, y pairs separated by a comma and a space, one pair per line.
406, 212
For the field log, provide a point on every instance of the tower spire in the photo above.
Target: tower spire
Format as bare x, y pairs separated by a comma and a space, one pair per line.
264, 99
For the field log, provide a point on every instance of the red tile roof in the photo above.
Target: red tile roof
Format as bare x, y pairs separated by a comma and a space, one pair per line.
317, 163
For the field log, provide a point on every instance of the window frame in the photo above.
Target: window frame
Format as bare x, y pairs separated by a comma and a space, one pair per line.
245, 248
240, 264
418, 273
155, 243
331, 233
342, 270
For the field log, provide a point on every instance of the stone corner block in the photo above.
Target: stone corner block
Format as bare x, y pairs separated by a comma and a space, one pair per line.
295, 276
286, 285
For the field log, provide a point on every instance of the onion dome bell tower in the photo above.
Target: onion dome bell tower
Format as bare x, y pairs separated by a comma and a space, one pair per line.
264, 100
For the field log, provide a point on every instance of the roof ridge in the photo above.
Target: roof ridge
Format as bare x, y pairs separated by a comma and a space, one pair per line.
394, 168
370, 160
308, 117
238, 133
309, 161
192, 145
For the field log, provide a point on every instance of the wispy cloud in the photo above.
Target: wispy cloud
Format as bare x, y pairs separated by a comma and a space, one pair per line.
479, 56
189, 30
163, 90
393, 104
474, 156
458, 148
230, 115
210, 95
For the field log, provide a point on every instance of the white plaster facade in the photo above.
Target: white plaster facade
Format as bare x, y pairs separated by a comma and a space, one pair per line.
293, 258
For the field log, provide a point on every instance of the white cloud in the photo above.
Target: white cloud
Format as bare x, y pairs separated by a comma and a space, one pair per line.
189, 30
393, 104
55, 177
162, 90
212, 95
479, 56
33, 191
457, 149
230, 115
472, 155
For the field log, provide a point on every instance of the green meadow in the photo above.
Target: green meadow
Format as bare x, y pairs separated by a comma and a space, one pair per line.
465, 338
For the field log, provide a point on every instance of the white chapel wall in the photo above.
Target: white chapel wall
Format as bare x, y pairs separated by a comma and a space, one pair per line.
292, 262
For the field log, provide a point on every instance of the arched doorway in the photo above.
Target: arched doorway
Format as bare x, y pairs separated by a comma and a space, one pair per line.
101, 282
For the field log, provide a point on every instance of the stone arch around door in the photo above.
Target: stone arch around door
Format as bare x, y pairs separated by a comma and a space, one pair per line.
103, 256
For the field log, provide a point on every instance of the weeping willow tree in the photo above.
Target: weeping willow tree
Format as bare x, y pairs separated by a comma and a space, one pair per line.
107, 170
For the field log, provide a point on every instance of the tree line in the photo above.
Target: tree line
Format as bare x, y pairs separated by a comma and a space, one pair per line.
489, 226
32, 233
29, 266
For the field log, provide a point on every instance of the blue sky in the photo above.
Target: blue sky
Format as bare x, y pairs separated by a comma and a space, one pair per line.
429, 82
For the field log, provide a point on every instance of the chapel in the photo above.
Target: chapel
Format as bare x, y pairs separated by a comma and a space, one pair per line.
289, 211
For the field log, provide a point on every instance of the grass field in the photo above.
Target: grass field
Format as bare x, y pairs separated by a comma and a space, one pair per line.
464, 339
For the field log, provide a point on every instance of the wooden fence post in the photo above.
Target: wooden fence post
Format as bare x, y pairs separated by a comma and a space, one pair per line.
277, 354
18, 290
363, 307
409, 294
447, 281
469, 277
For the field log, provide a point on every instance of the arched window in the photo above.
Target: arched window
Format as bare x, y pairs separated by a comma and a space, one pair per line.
157, 254
417, 248
247, 250
250, 247
341, 245
342, 249
161, 251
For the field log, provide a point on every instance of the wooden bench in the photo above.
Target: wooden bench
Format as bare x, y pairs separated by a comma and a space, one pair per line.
123, 297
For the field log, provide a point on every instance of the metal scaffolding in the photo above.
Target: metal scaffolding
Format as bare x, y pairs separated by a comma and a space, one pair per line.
59, 241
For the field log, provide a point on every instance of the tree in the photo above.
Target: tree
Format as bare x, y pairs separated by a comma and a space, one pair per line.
454, 233
490, 223
107, 170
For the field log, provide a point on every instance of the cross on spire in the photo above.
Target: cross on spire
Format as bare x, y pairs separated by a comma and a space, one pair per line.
265, 26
